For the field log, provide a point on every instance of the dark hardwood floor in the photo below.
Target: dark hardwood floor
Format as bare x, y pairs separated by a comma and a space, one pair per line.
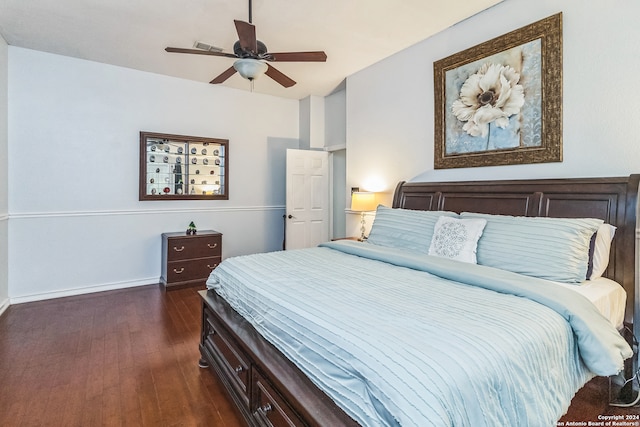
591, 403
118, 358
129, 358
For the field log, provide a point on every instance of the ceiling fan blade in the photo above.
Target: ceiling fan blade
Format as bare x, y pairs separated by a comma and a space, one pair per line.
247, 36
224, 76
316, 56
279, 77
199, 52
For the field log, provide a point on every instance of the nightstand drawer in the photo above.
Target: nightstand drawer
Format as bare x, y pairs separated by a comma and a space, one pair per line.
194, 247
181, 271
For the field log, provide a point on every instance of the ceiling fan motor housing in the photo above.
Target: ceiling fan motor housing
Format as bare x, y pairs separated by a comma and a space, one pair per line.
241, 53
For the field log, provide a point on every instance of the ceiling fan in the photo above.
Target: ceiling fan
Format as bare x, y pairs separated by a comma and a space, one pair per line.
252, 56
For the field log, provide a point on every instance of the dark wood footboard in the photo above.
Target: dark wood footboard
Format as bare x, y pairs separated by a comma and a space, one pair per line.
266, 388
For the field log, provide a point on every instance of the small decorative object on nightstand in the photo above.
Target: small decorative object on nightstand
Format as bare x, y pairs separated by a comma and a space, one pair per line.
192, 229
187, 260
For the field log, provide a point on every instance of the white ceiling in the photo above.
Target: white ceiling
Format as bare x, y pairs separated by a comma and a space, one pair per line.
133, 33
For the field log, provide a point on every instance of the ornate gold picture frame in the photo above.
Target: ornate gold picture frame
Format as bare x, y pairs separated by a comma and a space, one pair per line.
500, 102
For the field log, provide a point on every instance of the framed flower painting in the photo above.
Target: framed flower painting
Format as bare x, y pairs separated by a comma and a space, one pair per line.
500, 102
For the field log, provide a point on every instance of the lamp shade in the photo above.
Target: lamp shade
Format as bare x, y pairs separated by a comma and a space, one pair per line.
250, 68
362, 201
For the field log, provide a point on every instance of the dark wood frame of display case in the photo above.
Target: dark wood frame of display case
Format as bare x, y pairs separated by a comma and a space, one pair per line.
223, 143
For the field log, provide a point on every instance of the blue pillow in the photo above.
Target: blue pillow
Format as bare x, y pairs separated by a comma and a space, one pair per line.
549, 248
404, 228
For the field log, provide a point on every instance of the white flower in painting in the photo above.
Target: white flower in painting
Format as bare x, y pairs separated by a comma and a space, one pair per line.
491, 95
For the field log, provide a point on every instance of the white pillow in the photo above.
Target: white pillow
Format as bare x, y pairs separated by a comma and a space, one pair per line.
456, 239
601, 249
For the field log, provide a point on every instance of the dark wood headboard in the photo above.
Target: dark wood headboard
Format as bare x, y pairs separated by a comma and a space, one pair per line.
615, 200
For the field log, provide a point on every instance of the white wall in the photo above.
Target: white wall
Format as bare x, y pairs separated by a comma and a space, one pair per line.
4, 201
76, 224
335, 125
390, 106
335, 129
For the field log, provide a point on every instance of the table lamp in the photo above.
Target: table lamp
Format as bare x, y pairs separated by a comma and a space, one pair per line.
363, 201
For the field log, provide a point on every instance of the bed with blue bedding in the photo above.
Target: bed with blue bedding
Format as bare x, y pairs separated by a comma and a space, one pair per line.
392, 333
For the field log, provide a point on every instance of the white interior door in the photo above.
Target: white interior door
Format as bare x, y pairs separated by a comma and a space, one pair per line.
307, 211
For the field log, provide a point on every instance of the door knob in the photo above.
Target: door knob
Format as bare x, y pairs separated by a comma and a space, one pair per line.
289, 216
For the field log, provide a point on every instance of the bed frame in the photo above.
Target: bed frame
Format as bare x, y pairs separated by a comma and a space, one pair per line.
268, 390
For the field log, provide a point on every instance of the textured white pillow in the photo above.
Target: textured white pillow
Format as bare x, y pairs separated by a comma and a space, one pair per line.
456, 238
601, 250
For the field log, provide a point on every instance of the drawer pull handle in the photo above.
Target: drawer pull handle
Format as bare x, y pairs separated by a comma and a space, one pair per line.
215, 245
239, 369
266, 408
175, 270
212, 267
178, 250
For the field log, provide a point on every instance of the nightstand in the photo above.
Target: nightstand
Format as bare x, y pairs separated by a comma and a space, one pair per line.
187, 260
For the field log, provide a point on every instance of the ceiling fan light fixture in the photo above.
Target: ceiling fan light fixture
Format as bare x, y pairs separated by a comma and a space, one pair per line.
250, 68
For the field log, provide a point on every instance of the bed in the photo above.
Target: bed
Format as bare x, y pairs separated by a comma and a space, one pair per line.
385, 333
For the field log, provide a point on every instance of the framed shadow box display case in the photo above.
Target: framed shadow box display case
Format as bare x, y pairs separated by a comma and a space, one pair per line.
178, 167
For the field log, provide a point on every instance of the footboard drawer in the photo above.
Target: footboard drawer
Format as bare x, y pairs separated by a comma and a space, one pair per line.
235, 363
270, 409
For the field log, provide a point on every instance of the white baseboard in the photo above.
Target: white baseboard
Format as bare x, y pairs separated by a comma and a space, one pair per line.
82, 291
3, 306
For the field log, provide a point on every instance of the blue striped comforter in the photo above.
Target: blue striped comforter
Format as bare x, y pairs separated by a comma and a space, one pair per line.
413, 340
